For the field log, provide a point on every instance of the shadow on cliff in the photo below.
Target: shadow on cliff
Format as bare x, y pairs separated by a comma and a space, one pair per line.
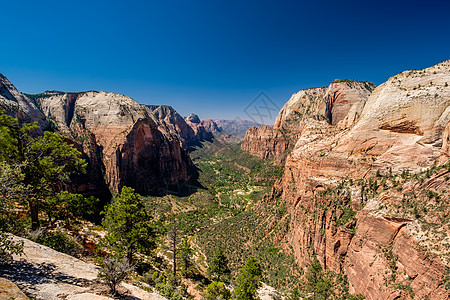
184, 189
196, 144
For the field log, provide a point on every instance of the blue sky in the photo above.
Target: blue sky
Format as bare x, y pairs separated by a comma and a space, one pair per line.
214, 57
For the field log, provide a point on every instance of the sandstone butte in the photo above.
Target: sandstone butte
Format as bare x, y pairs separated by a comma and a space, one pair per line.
351, 130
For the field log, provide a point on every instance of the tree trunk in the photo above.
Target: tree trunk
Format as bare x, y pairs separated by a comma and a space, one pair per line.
174, 241
130, 255
34, 214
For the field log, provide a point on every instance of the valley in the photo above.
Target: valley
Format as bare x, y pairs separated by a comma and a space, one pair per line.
345, 197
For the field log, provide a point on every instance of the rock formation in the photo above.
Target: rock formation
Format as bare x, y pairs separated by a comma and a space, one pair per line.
125, 143
18, 105
203, 129
339, 104
191, 130
176, 124
46, 274
8, 290
349, 142
122, 139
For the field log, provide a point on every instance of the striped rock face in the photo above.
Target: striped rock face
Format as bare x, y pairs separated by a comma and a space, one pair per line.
351, 130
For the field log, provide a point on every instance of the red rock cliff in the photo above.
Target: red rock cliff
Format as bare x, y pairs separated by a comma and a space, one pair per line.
387, 249
340, 103
122, 138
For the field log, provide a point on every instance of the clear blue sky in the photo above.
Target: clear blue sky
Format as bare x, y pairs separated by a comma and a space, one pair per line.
214, 57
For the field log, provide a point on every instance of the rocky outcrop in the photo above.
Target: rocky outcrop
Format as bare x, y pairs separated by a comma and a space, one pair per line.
8, 290
18, 105
150, 161
191, 130
346, 133
382, 244
46, 274
122, 139
339, 104
175, 122
203, 129
211, 126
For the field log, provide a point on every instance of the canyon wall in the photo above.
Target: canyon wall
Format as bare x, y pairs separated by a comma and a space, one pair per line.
126, 142
338, 104
18, 105
348, 186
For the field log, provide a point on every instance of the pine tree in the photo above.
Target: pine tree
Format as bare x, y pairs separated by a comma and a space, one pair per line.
185, 253
318, 283
173, 239
248, 280
41, 164
128, 225
218, 266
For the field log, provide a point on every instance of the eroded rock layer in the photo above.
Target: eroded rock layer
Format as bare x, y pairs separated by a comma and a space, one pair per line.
129, 143
339, 104
18, 105
347, 182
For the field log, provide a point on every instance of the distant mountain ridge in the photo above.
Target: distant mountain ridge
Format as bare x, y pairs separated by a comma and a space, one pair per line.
234, 130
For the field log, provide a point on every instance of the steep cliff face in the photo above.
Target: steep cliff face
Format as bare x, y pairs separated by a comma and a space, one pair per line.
175, 122
340, 103
266, 142
191, 130
122, 138
347, 184
203, 129
151, 161
18, 105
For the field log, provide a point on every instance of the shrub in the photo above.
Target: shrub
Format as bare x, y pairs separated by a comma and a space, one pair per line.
113, 271
217, 291
168, 291
57, 240
8, 247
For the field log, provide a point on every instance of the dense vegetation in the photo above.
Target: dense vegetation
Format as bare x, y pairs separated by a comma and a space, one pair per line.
35, 170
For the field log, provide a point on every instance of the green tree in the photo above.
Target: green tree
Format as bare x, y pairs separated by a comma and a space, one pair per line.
324, 285
67, 206
248, 280
10, 179
128, 225
217, 291
42, 163
185, 256
218, 266
318, 283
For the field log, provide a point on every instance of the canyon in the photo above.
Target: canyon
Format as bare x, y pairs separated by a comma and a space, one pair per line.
124, 142
365, 170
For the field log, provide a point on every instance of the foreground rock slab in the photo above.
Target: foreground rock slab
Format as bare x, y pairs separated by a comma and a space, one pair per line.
43, 273
8, 290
